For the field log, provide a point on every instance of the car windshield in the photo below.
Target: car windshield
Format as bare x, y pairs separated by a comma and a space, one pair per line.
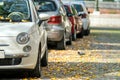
14, 10
45, 6
78, 7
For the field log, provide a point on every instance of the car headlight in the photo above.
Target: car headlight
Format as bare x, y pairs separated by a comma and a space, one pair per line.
23, 38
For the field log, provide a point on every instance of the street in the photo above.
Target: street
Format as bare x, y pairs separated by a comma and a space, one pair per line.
100, 59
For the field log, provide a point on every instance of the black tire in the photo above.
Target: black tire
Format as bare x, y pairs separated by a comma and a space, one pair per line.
61, 45
80, 35
70, 41
74, 35
44, 61
87, 32
36, 72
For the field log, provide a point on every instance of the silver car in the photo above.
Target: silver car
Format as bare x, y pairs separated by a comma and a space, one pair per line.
56, 22
23, 41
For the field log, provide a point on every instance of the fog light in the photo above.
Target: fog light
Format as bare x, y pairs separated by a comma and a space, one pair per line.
27, 48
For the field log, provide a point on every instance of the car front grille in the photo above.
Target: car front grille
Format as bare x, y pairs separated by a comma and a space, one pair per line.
10, 61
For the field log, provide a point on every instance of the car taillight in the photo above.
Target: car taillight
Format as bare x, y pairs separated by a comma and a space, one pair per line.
72, 20
55, 20
84, 15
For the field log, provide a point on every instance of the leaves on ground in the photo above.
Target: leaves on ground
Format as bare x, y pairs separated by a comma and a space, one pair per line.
97, 60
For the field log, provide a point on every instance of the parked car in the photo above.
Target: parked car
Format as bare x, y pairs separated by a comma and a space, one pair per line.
83, 12
23, 41
77, 28
56, 22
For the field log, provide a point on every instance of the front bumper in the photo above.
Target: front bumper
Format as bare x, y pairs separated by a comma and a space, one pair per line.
19, 61
13, 57
16, 55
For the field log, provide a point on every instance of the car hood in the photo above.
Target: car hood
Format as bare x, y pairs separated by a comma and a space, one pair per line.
13, 29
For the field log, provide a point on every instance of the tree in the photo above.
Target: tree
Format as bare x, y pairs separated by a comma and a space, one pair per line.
96, 5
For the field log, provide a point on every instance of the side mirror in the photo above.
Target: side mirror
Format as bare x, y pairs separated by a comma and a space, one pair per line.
43, 16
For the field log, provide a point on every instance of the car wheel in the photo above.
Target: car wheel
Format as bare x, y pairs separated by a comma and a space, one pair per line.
61, 45
87, 32
44, 61
80, 35
70, 41
74, 36
36, 72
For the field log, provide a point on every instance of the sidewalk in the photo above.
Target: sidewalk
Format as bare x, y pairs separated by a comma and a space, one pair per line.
105, 20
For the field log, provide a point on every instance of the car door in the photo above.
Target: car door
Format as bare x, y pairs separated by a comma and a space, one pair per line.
41, 30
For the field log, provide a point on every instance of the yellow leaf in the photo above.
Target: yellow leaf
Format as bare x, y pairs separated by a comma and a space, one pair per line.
53, 79
25, 79
87, 78
118, 74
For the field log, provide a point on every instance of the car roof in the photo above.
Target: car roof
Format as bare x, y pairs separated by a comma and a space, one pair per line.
74, 2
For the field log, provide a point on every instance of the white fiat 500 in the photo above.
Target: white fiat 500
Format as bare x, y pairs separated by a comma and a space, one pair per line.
23, 40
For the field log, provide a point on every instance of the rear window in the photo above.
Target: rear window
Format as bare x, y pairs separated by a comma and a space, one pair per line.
67, 9
78, 7
74, 11
44, 6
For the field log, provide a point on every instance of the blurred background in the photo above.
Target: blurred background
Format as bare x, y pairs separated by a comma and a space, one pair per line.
104, 6
103, 13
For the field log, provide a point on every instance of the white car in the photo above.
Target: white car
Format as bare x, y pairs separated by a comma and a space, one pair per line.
82, 11
23, 40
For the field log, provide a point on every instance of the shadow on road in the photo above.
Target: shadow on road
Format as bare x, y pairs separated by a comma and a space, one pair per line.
84, 69
12, 75
106, 38
63, 70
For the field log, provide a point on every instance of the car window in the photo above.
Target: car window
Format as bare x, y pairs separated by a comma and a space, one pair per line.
78, 7
44, 6
67, 9
15, 10
73, 10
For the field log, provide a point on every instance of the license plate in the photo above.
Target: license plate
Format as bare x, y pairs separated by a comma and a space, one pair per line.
2, 54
